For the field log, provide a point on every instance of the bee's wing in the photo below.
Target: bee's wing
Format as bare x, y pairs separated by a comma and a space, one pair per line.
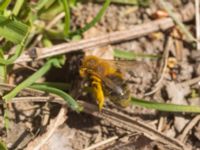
123, 66
137, 67
109, 83
116, 88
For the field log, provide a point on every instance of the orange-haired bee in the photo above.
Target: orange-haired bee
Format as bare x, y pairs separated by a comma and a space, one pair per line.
106, 80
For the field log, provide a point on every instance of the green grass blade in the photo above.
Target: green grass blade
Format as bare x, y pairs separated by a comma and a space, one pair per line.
73, 3
58, 85
67, 17
4, 4
70, 101
177, 21
130, 2
3, 69
131, 55
6, 118
19, 50
17, 7
51, 11
34, 77
133, 2
41, 4
3, 145
94, 21
12, 30
48, 4
165, 107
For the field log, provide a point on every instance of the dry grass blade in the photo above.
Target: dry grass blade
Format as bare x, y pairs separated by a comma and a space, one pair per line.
114, 37
133, 125
163, 67
38, 142
8, 87
190, 82
49, 26
197, 17
137, 31
29, 99
191, 124
36, 95
102, 143
177, 20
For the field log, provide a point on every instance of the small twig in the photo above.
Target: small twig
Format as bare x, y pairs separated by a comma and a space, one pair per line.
29, 108
36, 93
177, 20
27, 67
55, 20
190, 82
38, 142
178, 44
30, 99
165, 59
130, 124
8, 87
102, 143
191, 124
49, 26
114, 37
197, 17
160, 123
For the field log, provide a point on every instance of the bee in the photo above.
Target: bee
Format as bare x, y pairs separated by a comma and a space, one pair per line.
106, 80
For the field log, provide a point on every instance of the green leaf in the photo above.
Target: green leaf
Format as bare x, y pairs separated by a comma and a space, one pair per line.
3, 69
6, 117
12, 30
58, 61
94, 21
17, 7
67, 17
4, 4
130, 2
34, 77
72, 3
58, 85
19, 49
3, 145
70, 101
180, 24
51, 11
41, 4
165, 107
132, 55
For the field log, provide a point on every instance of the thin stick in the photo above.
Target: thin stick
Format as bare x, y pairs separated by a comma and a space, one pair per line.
102, 143
114, 37
177, 20
39, 142
158, 84
49, 26
191, 124
29, 99
197, 17
131, 124
190, 82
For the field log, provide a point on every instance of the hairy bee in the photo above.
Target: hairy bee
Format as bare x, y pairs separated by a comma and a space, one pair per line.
106, 80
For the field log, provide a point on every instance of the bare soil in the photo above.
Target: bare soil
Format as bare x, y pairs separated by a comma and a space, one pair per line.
169, 79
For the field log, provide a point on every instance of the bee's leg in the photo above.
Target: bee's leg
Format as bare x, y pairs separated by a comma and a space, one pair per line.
98, 91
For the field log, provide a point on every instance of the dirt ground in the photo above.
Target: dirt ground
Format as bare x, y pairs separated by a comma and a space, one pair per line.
172, 78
